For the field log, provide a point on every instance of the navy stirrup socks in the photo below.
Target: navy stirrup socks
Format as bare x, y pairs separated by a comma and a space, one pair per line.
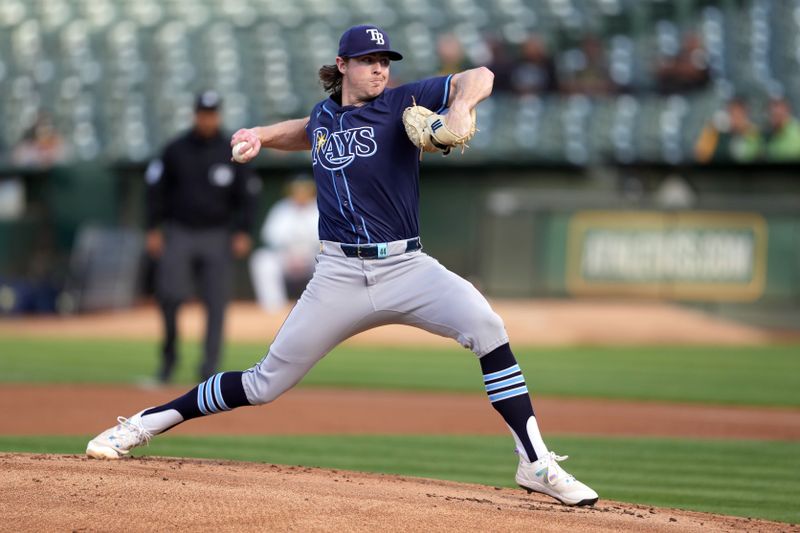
220, 392
508, 393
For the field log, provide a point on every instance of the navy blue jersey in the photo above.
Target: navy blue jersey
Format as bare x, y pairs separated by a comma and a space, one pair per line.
366, 168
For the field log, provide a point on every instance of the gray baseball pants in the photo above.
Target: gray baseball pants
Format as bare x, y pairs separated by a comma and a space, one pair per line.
349, 295
189, 254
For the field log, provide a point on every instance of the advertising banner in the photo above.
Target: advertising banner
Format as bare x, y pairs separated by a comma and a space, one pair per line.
682, 255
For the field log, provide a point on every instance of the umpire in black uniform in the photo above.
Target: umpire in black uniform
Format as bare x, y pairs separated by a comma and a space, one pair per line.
199, 217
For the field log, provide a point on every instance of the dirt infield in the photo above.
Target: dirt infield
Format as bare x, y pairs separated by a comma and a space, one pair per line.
68, 493
84, 409
46, 492
529, 322
87, 409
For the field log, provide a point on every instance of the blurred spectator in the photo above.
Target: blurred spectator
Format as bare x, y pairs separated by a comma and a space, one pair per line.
730, 136
451, 55
585, 69
41, 145
687, 70
675, 193
291, 236
199, 217
500, 64
535, 71
783, 138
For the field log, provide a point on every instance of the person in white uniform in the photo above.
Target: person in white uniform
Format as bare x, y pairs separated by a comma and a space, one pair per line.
291, 243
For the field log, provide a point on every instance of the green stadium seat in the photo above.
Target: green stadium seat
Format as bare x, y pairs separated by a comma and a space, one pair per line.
119, 76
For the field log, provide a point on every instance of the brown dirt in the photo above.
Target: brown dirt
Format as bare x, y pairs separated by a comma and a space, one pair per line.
540, 322
82, 410
53, 493
40, 492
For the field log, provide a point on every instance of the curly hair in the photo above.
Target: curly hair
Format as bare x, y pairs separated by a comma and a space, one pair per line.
331, 79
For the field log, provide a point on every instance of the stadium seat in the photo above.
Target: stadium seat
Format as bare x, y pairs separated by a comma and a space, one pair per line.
118, 77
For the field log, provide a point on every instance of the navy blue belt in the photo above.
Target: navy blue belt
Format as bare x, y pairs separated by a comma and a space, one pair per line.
377, 251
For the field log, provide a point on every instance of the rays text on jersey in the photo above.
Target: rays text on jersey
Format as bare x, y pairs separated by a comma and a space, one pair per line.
336, 150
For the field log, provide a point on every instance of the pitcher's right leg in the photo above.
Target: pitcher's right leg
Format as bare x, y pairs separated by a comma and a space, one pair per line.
334, 306
220, 392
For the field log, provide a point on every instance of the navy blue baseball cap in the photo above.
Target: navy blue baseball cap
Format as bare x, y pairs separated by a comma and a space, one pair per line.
366, 39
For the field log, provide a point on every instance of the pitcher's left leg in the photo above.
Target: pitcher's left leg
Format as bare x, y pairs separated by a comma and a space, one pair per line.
538, 468
428, 296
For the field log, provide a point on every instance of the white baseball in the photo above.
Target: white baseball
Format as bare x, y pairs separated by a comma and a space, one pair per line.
238, 155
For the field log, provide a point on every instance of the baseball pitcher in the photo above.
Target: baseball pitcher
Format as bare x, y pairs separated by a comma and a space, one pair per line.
366, 142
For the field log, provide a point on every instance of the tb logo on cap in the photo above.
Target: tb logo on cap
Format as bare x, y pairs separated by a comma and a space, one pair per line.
375, 35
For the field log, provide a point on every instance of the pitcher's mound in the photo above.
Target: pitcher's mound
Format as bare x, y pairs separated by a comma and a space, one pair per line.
70, 493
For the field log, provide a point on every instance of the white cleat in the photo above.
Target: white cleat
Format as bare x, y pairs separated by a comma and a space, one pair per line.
120, 440
547, 477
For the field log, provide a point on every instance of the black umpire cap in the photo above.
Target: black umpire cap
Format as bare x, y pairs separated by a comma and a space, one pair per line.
208, 101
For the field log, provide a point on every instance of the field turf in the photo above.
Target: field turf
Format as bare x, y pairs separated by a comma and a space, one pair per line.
746, 478
742, 375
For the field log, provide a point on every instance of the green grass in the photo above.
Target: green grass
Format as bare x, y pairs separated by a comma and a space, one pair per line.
733, 375
745, 478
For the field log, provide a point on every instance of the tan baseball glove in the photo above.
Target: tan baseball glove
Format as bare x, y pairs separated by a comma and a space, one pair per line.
429, 132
